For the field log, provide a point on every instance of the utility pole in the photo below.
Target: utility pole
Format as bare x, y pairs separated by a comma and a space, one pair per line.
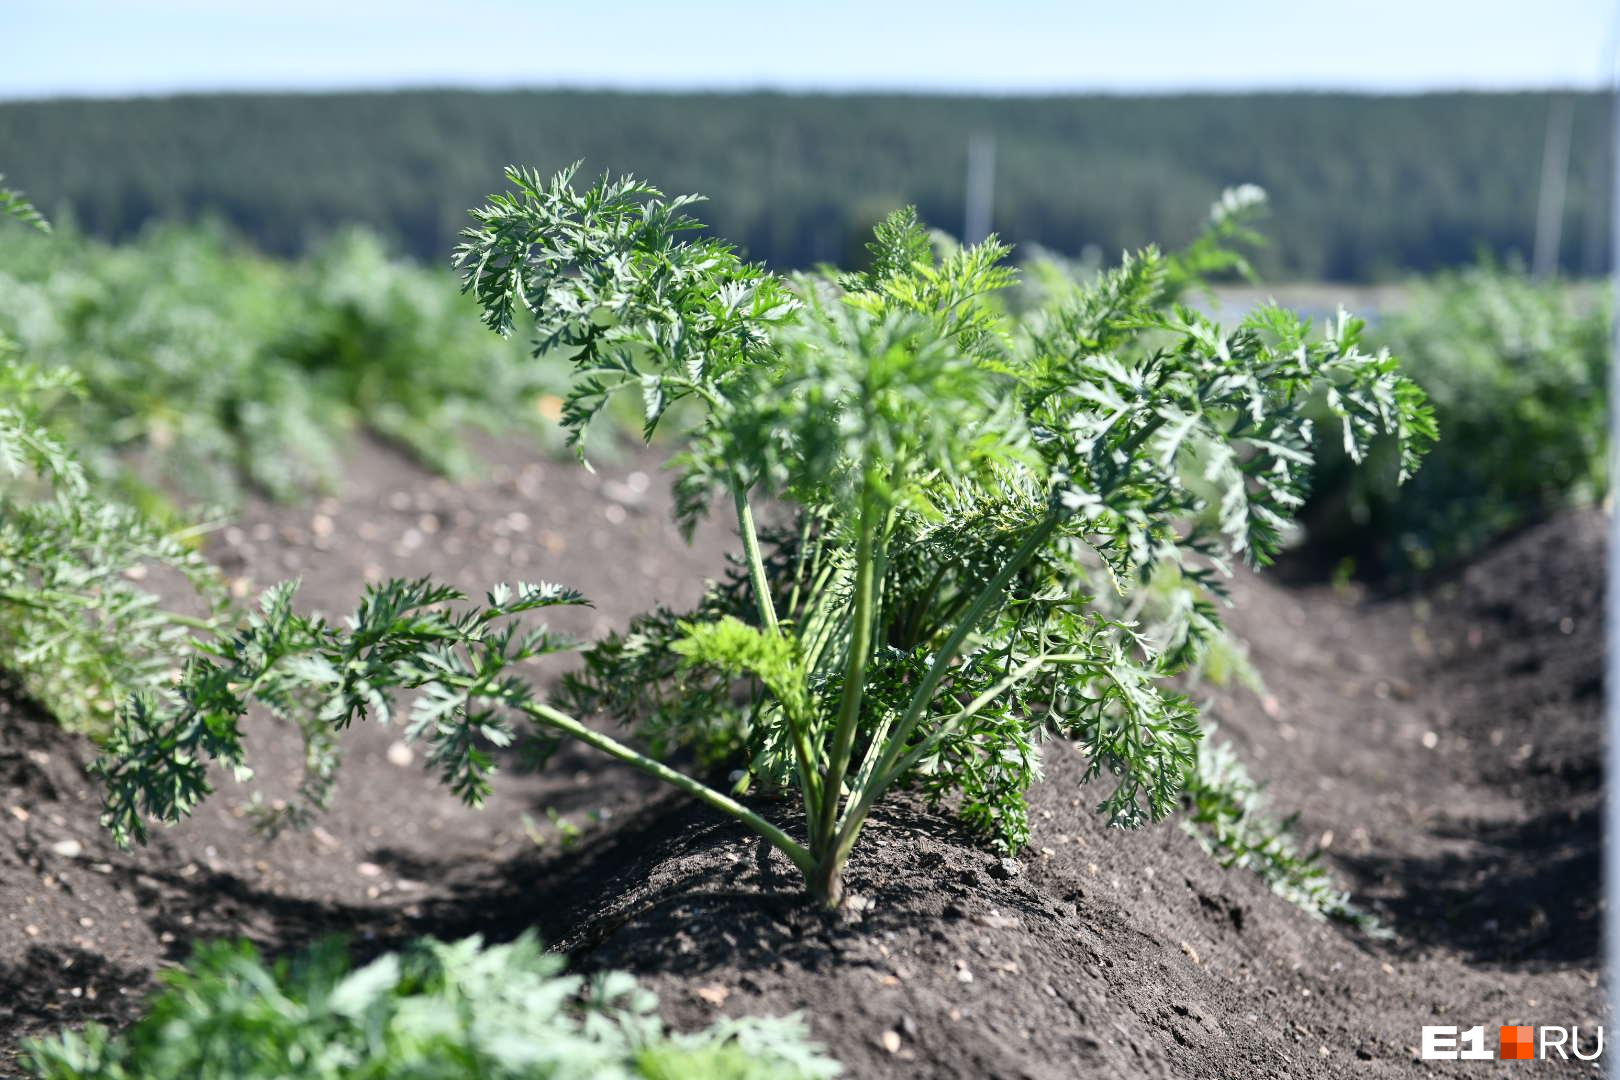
1554, 178
981, 188
1610, 80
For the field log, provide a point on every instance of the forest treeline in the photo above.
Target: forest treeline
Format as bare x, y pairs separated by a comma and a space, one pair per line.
1362, 187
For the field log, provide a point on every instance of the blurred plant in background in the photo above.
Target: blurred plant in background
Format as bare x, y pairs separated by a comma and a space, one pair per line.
1517, 372
449, 1011
208, 369
405, 350
80, 627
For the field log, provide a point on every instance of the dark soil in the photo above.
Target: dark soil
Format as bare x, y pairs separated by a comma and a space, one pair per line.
1444, 751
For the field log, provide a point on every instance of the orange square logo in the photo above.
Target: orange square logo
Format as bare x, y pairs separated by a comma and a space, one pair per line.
1518, 1043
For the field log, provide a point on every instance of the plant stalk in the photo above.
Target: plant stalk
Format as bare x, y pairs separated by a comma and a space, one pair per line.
23, 600
809, 781
826, 882
756, 563
849, 707
882, 773
795, 851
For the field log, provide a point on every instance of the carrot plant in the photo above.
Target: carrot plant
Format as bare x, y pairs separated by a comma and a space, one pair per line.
953, 491
449, 1010
80, 623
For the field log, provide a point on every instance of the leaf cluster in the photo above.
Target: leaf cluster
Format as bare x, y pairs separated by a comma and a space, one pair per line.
15, 205
436, 1011
403, 637
611, 283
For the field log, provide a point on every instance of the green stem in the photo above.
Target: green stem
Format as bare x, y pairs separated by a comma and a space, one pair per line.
949, 725
920, 605
809, 782
24, 600
987, 598
188, 621
817, 626
860, 644
795, 851
756, 563
799, 560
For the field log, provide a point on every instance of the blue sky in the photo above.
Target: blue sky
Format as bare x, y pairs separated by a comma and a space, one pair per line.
99, 47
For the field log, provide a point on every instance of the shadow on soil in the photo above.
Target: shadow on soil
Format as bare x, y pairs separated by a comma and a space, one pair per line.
1522, 896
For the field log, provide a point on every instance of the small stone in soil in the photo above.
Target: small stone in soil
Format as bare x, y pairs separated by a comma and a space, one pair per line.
714, 995
1005, 869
